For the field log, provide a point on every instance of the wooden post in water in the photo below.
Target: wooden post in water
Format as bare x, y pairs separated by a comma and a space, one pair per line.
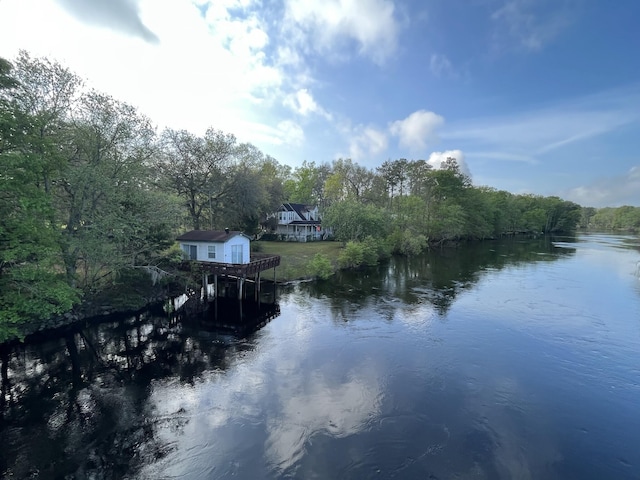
240, 288
274, 285
205, 287
215, 285
257, 287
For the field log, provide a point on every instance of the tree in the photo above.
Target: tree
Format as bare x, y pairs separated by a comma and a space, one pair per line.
196, 170
389, 173
306, 184
46, 92
30, 286
348, 180
110, 211
352, 220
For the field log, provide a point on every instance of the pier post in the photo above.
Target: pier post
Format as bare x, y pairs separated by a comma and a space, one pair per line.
205, 287
257, 287
240, 288
274, 284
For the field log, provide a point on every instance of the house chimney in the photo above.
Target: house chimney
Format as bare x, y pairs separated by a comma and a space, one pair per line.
226, 230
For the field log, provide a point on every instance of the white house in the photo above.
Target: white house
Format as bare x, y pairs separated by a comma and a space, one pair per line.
216, 246
299, 222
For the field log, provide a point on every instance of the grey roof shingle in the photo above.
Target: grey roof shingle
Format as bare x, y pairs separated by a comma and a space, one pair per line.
209, 235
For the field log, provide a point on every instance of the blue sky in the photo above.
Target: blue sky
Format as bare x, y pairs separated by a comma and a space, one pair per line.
531, 96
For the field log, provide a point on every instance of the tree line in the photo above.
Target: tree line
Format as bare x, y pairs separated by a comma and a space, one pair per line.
89, 189
625, 218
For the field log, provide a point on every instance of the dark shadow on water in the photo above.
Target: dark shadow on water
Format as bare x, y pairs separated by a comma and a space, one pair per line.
74, 404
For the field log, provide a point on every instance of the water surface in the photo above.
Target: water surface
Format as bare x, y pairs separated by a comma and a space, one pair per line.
514, 359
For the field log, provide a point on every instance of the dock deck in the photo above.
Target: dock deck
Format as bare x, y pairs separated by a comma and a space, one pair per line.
259, 263
239, 272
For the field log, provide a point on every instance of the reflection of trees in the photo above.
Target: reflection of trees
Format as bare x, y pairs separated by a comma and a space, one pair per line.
76, 405
436, 277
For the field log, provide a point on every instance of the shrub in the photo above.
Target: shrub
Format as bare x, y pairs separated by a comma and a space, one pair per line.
408, 243
320, 266
413, 244
374, 250
352, 255
269, 237
173, 255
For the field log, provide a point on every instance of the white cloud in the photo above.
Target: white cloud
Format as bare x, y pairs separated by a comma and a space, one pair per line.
611, 191
290, 133
367, 142
303, 103
436, 159
325, 26
320, 405
418, 130
209, 67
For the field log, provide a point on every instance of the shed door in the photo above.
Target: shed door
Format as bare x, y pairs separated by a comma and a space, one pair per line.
236, 253
191, 251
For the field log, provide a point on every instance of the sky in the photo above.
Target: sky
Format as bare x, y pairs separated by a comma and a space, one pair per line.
530, 96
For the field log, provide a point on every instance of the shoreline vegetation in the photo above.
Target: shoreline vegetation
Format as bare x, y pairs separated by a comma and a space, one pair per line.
92, 198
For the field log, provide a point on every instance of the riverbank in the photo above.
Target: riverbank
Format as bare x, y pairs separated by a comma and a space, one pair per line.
295, 257
133, 291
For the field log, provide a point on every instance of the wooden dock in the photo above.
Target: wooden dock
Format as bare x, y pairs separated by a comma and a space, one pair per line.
239, 272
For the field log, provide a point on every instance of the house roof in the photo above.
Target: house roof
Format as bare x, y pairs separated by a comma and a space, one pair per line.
218, 236
299, 208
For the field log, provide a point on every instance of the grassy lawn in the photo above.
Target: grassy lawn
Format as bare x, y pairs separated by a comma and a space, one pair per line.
295, 256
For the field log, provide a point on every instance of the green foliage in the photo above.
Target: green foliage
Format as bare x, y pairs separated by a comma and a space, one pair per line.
353, 221
620, 218
352, 255
30, 285
407, 243
307, 183
30, 292
320, 266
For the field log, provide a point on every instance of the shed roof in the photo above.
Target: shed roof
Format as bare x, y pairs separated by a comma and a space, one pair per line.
218, 236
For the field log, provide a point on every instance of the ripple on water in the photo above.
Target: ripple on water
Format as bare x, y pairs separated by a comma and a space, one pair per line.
397, 446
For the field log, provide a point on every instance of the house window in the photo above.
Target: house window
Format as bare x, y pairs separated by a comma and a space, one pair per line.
211, 251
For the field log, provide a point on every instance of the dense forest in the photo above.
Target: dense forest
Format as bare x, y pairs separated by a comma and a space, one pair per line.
625, 218
90, 192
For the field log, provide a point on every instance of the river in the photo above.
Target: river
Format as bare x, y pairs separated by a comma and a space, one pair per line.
517, 359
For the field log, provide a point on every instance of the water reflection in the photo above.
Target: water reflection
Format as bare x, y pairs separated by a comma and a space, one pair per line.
77, 404
513, 359
435, 278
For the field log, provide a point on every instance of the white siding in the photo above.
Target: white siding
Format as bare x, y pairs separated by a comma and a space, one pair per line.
237, 240
223, 250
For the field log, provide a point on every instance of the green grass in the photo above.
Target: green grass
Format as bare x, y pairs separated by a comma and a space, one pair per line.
295, 256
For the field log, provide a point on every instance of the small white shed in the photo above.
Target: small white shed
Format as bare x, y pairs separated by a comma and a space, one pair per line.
216, 246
